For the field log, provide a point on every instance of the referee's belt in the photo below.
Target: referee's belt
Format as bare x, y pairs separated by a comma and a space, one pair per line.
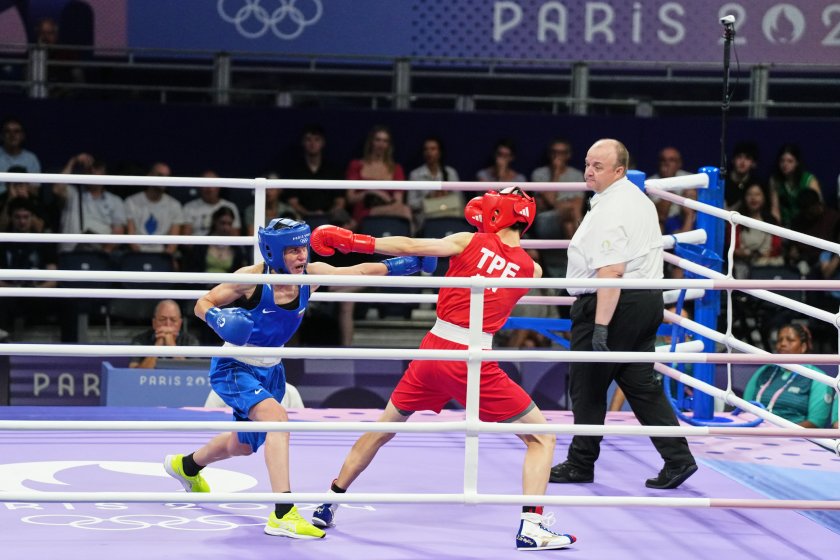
268, 361
459, 335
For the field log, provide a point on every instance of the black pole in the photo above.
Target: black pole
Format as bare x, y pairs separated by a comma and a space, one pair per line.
728, 34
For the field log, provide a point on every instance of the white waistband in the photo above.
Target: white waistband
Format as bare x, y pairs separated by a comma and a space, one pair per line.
459, 335
267, 361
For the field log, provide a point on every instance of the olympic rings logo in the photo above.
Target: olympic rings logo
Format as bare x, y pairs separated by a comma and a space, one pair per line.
215, 523
287, 21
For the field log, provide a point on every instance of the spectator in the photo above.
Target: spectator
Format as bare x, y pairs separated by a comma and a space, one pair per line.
24, 256
218, 258
753, 247
331, 203
814, 219
830, 270
165, 331
568, 206
377, 164
198, 213
788, 180
97, 211
12, 152
742, 174
21, 190
425, 203
153, 212
500, 169
787, 394
673, 218
274, 208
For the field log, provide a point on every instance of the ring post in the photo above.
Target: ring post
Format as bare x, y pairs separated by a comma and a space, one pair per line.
473, 393
707, 309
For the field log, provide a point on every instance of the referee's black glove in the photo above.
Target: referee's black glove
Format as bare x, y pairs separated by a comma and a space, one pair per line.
599, 338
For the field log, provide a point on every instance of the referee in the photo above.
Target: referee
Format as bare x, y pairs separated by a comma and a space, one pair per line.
618, 238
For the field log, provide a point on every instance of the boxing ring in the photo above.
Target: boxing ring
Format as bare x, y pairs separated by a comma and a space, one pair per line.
88, 482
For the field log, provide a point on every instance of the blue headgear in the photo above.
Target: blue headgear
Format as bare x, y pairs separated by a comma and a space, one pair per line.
281, 233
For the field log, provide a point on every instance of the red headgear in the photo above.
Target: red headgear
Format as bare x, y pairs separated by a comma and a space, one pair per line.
504, 208
473, 213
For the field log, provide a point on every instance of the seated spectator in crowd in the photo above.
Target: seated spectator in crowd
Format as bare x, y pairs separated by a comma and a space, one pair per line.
787, 394
673, 218
787, 182
377, 164
500, 170
166, 331
153, 212
12, 152
25, 256
97, 211
830, 268
274, 208
198, 213
568, 206
434, 204
557, 170
753, 247
742, 173
331, 203
17, 191
218, 258
814, 219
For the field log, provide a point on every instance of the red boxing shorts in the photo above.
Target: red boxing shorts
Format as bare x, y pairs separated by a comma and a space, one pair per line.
429, 385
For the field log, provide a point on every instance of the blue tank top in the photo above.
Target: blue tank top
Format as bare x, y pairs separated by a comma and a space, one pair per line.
273, 325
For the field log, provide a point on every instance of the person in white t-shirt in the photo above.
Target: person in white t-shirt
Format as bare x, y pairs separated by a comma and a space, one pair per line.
153, 212
198, 213
98, 211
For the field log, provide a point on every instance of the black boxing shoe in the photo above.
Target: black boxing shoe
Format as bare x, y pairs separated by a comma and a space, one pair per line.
566, 473
671, 477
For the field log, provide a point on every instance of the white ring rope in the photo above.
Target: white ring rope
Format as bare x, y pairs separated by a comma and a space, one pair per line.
474, 282
739, 219
259, 183
668, 297
417, 498
331, 353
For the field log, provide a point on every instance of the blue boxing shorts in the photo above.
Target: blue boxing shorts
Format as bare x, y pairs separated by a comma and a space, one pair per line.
242, 386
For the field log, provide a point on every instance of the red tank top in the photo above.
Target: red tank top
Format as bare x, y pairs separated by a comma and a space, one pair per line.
486, 256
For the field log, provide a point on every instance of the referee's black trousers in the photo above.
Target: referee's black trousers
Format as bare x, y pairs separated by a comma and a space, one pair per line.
632, 329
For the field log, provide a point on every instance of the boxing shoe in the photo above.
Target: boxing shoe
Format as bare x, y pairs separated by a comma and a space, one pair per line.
174, 466
292, 525
324, 516
534, 533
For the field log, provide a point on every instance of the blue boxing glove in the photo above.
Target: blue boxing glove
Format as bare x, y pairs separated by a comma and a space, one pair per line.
428, 264
599, 338
233, 324
404, 266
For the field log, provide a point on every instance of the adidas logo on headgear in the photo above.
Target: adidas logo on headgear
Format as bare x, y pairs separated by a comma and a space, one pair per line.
525, 212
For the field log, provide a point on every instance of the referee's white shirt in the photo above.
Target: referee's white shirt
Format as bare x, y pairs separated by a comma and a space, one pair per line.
622, 226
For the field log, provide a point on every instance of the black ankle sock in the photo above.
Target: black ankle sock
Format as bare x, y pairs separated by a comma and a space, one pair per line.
282, 509
335, 488
191, 468
532, 509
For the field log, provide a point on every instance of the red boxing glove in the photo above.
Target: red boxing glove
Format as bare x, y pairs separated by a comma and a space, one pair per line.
474, 211
325, 239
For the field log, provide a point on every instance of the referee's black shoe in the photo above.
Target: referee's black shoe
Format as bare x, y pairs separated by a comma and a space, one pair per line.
566, 473
671, 477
